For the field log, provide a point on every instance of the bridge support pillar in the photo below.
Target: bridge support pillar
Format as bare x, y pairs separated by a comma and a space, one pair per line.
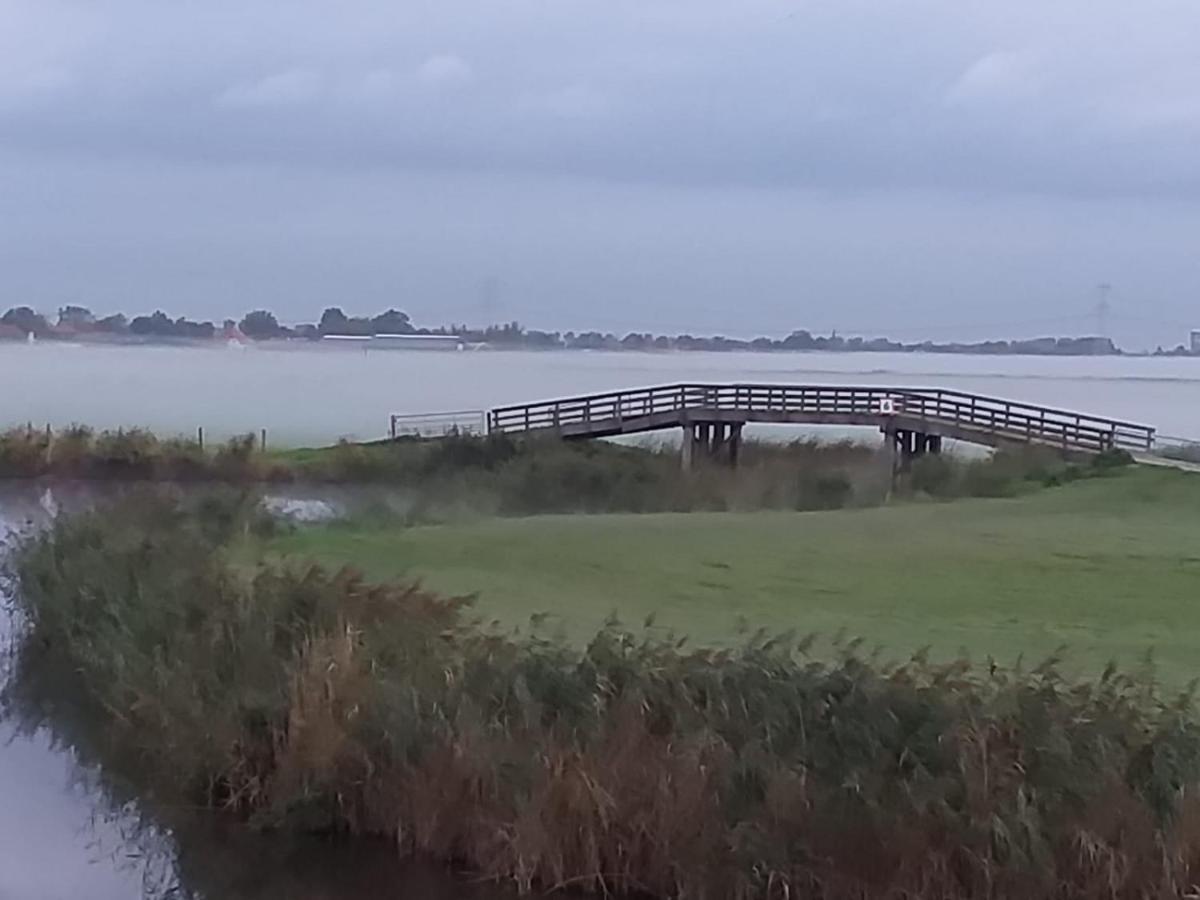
906, 445
687, 447
712, 441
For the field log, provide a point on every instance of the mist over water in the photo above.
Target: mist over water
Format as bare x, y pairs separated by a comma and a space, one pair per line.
307, 395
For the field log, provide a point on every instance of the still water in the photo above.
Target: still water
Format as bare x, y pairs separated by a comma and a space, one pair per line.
312, 395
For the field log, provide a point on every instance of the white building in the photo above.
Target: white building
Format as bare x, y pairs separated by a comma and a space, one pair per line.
398, 341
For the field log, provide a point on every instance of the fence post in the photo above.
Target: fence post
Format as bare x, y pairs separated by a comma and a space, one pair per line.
200, 436
263, 445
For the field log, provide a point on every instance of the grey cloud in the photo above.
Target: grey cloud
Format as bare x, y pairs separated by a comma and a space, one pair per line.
784, 92
623, 155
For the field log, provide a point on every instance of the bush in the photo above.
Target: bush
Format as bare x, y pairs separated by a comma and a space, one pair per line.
831, 491
124, 453
24, 453
934, 474
295, 698
987, 479
1113, 459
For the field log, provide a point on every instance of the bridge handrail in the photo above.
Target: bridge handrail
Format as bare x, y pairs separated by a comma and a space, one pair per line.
463, 421
1050, 409
962, 408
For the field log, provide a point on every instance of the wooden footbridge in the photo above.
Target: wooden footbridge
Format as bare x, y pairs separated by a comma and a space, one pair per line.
915, 420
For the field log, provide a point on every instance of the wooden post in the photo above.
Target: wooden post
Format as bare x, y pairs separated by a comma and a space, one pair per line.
200, 436
263, 443
688, 447
735, 443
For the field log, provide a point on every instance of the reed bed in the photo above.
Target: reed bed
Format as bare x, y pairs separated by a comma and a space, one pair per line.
500, 475
296, 698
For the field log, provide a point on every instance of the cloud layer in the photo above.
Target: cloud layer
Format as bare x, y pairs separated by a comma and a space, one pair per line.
1075, 102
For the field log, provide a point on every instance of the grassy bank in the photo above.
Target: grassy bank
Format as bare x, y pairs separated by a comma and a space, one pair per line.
298, 698
1108, 567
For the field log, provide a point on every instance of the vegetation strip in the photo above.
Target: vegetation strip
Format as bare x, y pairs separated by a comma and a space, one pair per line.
310, 700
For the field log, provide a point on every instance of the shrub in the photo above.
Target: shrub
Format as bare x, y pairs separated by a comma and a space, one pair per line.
832, 491
181, 459
23, 453
933, 474
125, 453
987, 479
1112, 459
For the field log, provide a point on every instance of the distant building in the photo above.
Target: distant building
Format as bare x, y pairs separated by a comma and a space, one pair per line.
232, 335
398, 341
1195, 344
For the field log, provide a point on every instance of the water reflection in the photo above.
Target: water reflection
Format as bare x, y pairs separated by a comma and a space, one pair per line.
248, 867
70, 828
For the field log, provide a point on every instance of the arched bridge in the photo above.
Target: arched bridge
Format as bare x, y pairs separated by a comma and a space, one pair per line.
914, 419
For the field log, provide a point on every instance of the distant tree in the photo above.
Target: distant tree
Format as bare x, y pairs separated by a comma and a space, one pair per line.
333, 321
543, 340
593, 340
26, 319
75, 315
392, 322
260, 325
799, 340
308, 332
157, 324
509, 333
197, 331
114, 324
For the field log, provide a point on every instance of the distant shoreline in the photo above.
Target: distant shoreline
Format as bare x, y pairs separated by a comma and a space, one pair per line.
723, 346
395, 329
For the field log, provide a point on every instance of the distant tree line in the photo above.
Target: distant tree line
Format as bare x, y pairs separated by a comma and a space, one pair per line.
78, 322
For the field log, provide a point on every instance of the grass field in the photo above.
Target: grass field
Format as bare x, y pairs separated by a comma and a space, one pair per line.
1109, 567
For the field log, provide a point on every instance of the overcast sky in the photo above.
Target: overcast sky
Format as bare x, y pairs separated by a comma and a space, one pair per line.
939, 168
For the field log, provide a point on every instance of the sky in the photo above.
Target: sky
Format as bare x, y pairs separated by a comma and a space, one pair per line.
942, 169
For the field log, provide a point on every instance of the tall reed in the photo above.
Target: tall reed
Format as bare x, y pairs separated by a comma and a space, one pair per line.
301, 699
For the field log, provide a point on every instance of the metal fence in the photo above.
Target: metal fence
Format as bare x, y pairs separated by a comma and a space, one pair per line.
430, 425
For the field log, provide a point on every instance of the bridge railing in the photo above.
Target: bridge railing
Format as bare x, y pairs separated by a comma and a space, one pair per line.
1029, 422
970, 412
426, 425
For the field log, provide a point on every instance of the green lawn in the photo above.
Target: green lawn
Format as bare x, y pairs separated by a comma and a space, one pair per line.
1109, 567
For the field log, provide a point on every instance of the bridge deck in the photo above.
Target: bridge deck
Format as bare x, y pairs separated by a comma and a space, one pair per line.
953, 414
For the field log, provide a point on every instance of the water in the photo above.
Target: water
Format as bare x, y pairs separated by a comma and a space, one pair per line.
61, 839
306, 395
